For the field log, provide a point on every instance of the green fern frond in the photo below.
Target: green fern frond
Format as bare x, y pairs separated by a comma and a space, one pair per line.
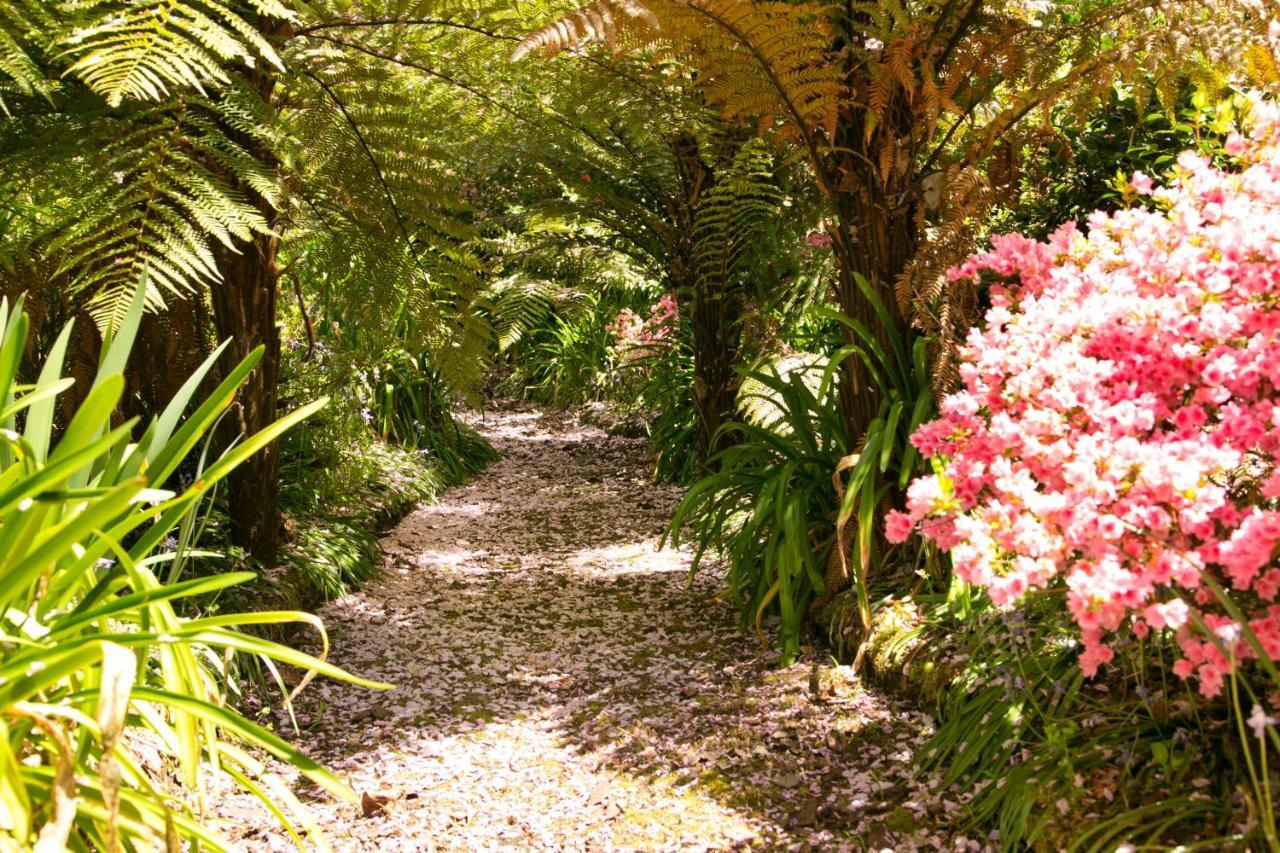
149, 49
21, 24
745, 198
152, 188
518, 304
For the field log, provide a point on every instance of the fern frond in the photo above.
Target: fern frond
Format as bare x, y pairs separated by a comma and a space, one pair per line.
149, 189
148, 49
518, 304
744, 199
22, 23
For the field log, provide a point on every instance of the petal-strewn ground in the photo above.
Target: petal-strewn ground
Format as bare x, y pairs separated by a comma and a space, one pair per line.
561, 686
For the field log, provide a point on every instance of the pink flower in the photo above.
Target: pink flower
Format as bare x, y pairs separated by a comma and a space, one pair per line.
898, 526
1119, 381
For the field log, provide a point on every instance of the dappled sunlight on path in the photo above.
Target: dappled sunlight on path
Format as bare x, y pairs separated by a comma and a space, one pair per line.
560, 686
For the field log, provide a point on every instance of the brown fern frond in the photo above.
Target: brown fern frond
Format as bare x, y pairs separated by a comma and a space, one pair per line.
599, 22
764, 63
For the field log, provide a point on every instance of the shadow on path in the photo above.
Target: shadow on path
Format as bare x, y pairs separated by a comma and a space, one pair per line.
560, 685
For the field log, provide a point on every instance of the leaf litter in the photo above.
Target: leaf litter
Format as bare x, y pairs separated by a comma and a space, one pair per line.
561, 685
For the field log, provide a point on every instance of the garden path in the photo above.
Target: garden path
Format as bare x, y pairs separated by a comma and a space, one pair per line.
560, 687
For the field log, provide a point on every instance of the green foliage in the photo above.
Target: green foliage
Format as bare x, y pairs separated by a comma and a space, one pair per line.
129, 141
389, 444
778, 500
886, 460
665, 399
519, 304
570, 359
104, 196
734, 219
1084, 167
407, 408
96, 657
769, 505
1040, 751
339, 492
137, 50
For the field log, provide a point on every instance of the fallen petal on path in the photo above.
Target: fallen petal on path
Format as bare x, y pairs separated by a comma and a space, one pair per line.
560, 685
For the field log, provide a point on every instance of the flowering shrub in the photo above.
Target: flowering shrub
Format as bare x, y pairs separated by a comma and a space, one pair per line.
1118, 427
635, 337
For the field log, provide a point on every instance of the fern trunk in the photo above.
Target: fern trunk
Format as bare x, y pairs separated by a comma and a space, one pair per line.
708, 296
877, 243
871, 180
716, 347
875, 237
244, 310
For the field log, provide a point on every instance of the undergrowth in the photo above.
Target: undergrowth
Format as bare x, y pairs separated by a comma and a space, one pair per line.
1034, 751
361, 466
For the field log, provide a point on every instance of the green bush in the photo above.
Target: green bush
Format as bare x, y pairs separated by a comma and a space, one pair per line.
112, 700
781, 496
569, 357
387, 444
769, 505
1053, 761
407, 408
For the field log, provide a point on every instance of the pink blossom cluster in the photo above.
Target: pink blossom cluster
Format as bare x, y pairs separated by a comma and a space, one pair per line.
821, 239
634, 336
1119, 425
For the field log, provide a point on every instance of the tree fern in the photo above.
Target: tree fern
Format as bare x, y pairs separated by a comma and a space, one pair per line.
882, 97
148, 189
150, 49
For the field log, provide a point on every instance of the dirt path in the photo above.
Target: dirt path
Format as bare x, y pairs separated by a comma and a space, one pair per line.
560, 687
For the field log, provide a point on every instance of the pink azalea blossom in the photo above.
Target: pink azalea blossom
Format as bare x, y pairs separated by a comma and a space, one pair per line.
1118, 428
636, 337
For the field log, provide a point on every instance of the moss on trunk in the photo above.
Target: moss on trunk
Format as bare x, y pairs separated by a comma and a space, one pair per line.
902, 654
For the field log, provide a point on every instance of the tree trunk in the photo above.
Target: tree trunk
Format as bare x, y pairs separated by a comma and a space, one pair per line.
170, 346
716, 344
876, 244
244, 310
875, 232
875, 237
713, 308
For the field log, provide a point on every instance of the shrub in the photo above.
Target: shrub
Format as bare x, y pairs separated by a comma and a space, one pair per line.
1118, 425
388, 443
112, 701
786, 502
570, 357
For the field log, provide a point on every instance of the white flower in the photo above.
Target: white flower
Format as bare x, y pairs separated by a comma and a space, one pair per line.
1229, 634
1259, 720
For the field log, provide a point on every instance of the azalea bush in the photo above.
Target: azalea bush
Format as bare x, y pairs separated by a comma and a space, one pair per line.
637, 338
1115, 441
1120, 418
